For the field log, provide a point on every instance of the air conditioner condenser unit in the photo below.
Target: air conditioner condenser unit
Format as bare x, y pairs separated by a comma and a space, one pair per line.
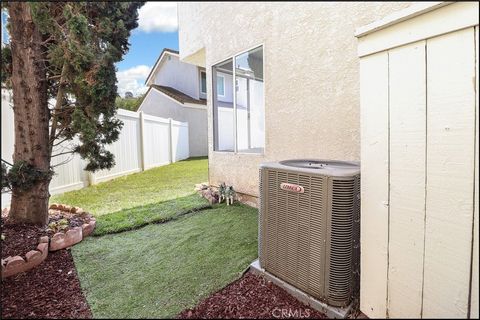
309, 226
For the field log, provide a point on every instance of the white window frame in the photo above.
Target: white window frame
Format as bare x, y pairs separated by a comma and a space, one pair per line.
205, 73
223, 80
234, 95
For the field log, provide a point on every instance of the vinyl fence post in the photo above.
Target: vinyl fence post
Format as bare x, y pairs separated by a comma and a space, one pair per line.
91, 178
142, 141
170, 141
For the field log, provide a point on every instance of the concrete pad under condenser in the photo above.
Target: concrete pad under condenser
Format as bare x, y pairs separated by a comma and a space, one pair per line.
329, 311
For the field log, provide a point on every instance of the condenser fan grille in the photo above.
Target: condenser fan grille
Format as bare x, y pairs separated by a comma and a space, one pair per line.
294, 230
307, 235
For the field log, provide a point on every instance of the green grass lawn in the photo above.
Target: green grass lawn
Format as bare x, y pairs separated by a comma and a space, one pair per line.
139, 189
157, 270
161, 269
134, 218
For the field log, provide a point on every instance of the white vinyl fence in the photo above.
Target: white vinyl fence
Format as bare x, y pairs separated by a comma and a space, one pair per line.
145, 142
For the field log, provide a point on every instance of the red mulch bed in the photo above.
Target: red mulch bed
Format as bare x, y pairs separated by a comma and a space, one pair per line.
20, 238
50, 290
251, 297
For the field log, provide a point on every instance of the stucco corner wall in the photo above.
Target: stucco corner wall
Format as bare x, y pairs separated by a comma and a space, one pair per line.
190, 36
311, 73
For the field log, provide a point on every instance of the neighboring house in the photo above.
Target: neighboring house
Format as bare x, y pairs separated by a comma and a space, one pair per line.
178, 90
306, 87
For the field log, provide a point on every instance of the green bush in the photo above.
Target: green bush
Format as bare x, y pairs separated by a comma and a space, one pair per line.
131, 104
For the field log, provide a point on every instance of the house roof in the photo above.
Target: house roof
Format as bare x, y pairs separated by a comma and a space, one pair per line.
178, 95
157, 63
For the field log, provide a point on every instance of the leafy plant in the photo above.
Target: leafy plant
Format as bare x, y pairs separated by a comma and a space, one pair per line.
131, 104
22, 175
59, 225
6, 186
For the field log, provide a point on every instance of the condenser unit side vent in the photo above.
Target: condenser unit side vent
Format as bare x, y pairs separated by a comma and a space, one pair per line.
340, 235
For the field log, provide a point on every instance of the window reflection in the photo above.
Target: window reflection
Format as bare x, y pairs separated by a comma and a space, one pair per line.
243, 96
223, 106
249, 101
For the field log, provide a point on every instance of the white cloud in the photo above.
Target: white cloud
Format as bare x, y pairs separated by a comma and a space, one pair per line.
132, 80
158, 16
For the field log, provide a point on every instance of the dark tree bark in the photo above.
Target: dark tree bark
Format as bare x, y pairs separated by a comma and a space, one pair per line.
66, 50
31, 113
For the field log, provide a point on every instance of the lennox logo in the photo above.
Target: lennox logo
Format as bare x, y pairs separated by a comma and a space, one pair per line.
291, 187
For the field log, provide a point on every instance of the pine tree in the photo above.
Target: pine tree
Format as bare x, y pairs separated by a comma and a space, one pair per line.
63, 52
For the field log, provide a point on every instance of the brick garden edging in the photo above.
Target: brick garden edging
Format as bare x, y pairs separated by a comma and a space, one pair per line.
62, 240
87, 228
16, 264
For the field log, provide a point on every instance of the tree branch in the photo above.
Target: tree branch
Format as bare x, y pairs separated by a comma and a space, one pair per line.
61, 153
58, 104
59, 133
44, 42
63, 162
11, 165
54, 77
60, 142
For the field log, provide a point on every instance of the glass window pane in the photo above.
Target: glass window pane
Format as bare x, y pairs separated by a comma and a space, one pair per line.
221, 85
249, 101
223, 122
203, 82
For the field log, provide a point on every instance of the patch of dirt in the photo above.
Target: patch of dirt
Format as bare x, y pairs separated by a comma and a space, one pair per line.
50, 290
20, 238
251, 297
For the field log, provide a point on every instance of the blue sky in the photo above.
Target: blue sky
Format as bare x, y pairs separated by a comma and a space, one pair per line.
157, 30
4, 31
145, 48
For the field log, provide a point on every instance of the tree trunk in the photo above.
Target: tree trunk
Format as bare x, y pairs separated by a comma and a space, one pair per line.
31, 113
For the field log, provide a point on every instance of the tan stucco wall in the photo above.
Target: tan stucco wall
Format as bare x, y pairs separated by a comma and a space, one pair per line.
311, 76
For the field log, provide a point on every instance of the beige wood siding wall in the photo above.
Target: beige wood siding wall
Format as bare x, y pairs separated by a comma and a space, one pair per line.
419, 153
474, 290
374, 155
407, 172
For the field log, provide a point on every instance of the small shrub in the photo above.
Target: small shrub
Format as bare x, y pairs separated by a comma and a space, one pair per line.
59, 225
